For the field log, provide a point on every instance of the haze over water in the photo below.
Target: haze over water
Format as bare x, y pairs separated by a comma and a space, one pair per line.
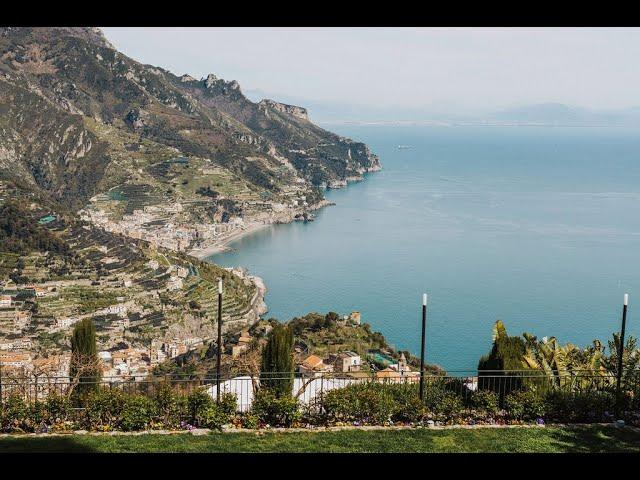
537, 226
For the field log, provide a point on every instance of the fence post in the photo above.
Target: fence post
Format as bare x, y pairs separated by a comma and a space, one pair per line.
219, 353
424, 323
621, 354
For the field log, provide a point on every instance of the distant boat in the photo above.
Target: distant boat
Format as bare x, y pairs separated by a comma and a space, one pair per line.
403, 147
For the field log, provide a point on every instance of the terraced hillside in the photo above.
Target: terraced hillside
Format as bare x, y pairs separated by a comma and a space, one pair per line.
97, 271
118, 168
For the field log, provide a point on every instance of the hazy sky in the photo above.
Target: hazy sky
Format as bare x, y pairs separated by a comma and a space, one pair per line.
434, 68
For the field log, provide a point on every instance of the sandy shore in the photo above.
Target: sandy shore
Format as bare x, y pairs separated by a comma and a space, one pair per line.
223, 244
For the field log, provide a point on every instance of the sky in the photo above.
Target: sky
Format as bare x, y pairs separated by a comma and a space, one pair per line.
435, 69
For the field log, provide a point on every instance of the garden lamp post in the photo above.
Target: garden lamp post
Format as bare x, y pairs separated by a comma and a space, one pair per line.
424, 324
219, 355
621, 349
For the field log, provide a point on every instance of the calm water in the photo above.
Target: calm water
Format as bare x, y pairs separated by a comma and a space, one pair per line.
539, 227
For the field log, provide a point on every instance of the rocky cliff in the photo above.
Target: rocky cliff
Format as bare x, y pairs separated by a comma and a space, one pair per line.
293, 110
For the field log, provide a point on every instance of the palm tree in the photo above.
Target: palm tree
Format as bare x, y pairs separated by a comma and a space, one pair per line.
565, 366
630, 361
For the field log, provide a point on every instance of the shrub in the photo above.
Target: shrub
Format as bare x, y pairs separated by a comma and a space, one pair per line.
137, 413
198, 401
578, 407
250, 420
525, 405
407, 406
274, 410
449, 407
590, 406
103, 408
485, 401
441, 398
228, 404
39, 416
36, 416
59, 411
207, 413
14, 415
171, 406
374, 403
364, 402
58, 408
212, 416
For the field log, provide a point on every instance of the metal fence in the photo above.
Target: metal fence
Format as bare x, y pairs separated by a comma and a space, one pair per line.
311, 389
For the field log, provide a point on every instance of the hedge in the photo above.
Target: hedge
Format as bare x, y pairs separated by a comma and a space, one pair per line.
359, 404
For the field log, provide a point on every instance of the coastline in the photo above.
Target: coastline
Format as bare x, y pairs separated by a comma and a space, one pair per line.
222, 245
252, 227
203, 253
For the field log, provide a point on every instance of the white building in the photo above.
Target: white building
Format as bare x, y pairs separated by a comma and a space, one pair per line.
182, 272
118, 309
66, 322
346, 362
174, 283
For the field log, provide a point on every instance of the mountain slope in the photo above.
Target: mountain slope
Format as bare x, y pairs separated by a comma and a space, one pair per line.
66, 94
111, 170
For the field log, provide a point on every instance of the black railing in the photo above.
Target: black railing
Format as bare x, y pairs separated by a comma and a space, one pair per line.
310, 389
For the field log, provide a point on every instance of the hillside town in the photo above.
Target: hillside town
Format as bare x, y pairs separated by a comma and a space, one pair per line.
170, 224
135, 298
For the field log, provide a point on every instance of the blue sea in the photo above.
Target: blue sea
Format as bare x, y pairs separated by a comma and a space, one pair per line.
537, 226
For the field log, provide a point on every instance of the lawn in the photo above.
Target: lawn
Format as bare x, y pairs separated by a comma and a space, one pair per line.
585, 439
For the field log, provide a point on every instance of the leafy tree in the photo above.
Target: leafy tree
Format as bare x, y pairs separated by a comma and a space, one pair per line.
85, 366
331, 317
21, 233
277, 361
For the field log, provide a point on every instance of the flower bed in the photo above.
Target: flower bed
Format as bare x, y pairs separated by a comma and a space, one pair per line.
106, 410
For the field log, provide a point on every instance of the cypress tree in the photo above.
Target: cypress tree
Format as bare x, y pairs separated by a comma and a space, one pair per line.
504, 359
84, 357
277, 361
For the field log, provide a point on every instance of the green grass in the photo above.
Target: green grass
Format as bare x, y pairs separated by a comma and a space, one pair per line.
584, 439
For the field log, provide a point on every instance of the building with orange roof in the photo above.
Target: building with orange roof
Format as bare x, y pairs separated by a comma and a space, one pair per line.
314, 364
14, 359
398, 373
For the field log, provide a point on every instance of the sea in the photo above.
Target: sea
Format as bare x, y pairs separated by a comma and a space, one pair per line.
536, 226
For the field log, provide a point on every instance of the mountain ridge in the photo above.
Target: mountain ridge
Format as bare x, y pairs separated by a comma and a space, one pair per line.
73, 76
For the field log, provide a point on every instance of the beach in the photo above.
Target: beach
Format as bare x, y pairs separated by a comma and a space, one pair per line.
222, 243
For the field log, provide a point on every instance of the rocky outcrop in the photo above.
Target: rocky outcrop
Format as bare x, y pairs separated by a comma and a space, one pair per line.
210, 80
293, 110
136, 118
